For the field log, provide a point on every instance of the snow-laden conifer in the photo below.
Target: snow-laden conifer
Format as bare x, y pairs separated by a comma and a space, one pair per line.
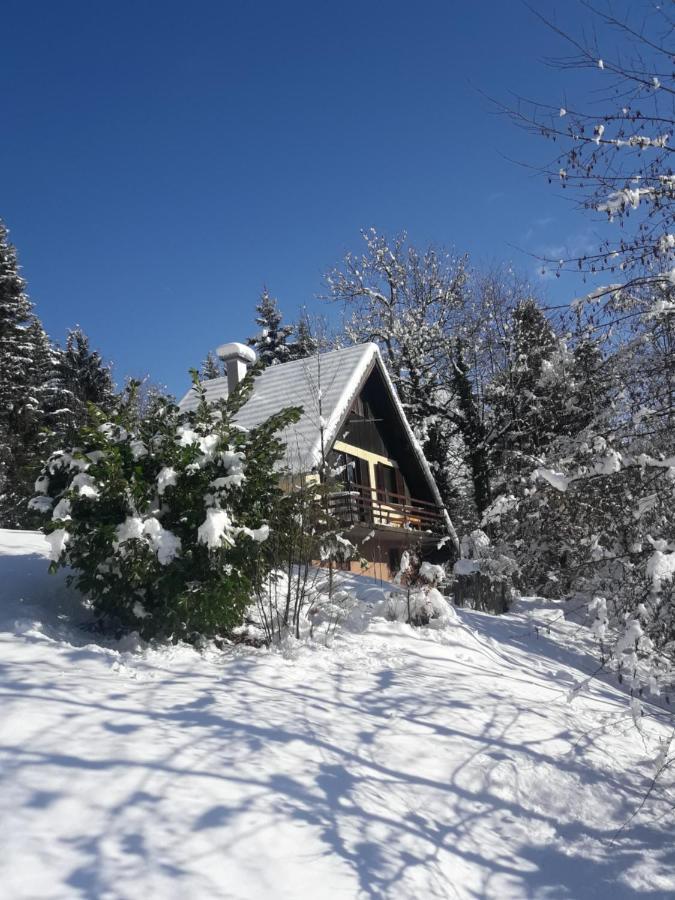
271, 341
32, 399
305, 343
86, 377
211, 367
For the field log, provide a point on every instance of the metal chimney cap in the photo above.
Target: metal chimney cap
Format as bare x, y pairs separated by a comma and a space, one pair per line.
235, 350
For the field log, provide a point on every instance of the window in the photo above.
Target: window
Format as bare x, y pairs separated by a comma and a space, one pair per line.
390, 484
350, 470
386, 483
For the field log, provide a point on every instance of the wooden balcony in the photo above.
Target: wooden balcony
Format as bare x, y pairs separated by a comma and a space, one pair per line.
359, 504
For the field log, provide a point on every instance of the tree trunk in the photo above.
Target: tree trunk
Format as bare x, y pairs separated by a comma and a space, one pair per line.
473, 432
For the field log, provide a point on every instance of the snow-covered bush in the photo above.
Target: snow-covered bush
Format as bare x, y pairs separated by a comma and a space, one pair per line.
419, 599
418, 606
329, 611
415, 572
164, 519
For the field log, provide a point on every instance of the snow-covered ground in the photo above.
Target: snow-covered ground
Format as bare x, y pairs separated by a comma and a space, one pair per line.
398, 763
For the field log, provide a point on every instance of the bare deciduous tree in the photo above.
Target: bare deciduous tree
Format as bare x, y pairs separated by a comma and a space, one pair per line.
613, 144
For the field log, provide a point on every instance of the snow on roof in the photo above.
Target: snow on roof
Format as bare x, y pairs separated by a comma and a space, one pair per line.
323, 385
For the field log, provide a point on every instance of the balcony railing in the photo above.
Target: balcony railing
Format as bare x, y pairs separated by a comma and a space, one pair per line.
360, 504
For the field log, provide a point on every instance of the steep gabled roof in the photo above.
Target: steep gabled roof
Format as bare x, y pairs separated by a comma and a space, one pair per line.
325, 386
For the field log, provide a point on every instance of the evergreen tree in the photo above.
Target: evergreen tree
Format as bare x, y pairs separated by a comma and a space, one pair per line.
271, 341
15, 350
52, 401
20, 409
86, 378
211, 367
527, 394
43, 416
44, 391
473, 429
305, 344
544, 390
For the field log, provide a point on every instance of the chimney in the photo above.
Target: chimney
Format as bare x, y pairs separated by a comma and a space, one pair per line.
237, 357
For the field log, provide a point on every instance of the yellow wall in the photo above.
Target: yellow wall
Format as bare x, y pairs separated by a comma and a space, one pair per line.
373, 569
371, 458
394, 517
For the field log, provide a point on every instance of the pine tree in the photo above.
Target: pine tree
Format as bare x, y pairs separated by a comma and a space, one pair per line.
86, 379
211, 367
526, 394
305, 344
52, 401
44, 391
19, 405
42, 420
271, 341
15, 351
544, 390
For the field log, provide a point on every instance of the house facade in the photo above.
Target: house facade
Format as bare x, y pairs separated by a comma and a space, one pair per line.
352, 420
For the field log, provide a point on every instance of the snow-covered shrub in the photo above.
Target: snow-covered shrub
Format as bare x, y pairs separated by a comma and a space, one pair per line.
418, 606
415, 572
432, 574
328, 611
474, 545
418, 600
164, 520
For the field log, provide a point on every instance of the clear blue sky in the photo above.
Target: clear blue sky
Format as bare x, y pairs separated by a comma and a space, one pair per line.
161, 161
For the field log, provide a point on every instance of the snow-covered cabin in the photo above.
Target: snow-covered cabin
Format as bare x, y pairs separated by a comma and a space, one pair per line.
353, 418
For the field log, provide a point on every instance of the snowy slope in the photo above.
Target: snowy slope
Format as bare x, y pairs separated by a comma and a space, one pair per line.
399, 763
